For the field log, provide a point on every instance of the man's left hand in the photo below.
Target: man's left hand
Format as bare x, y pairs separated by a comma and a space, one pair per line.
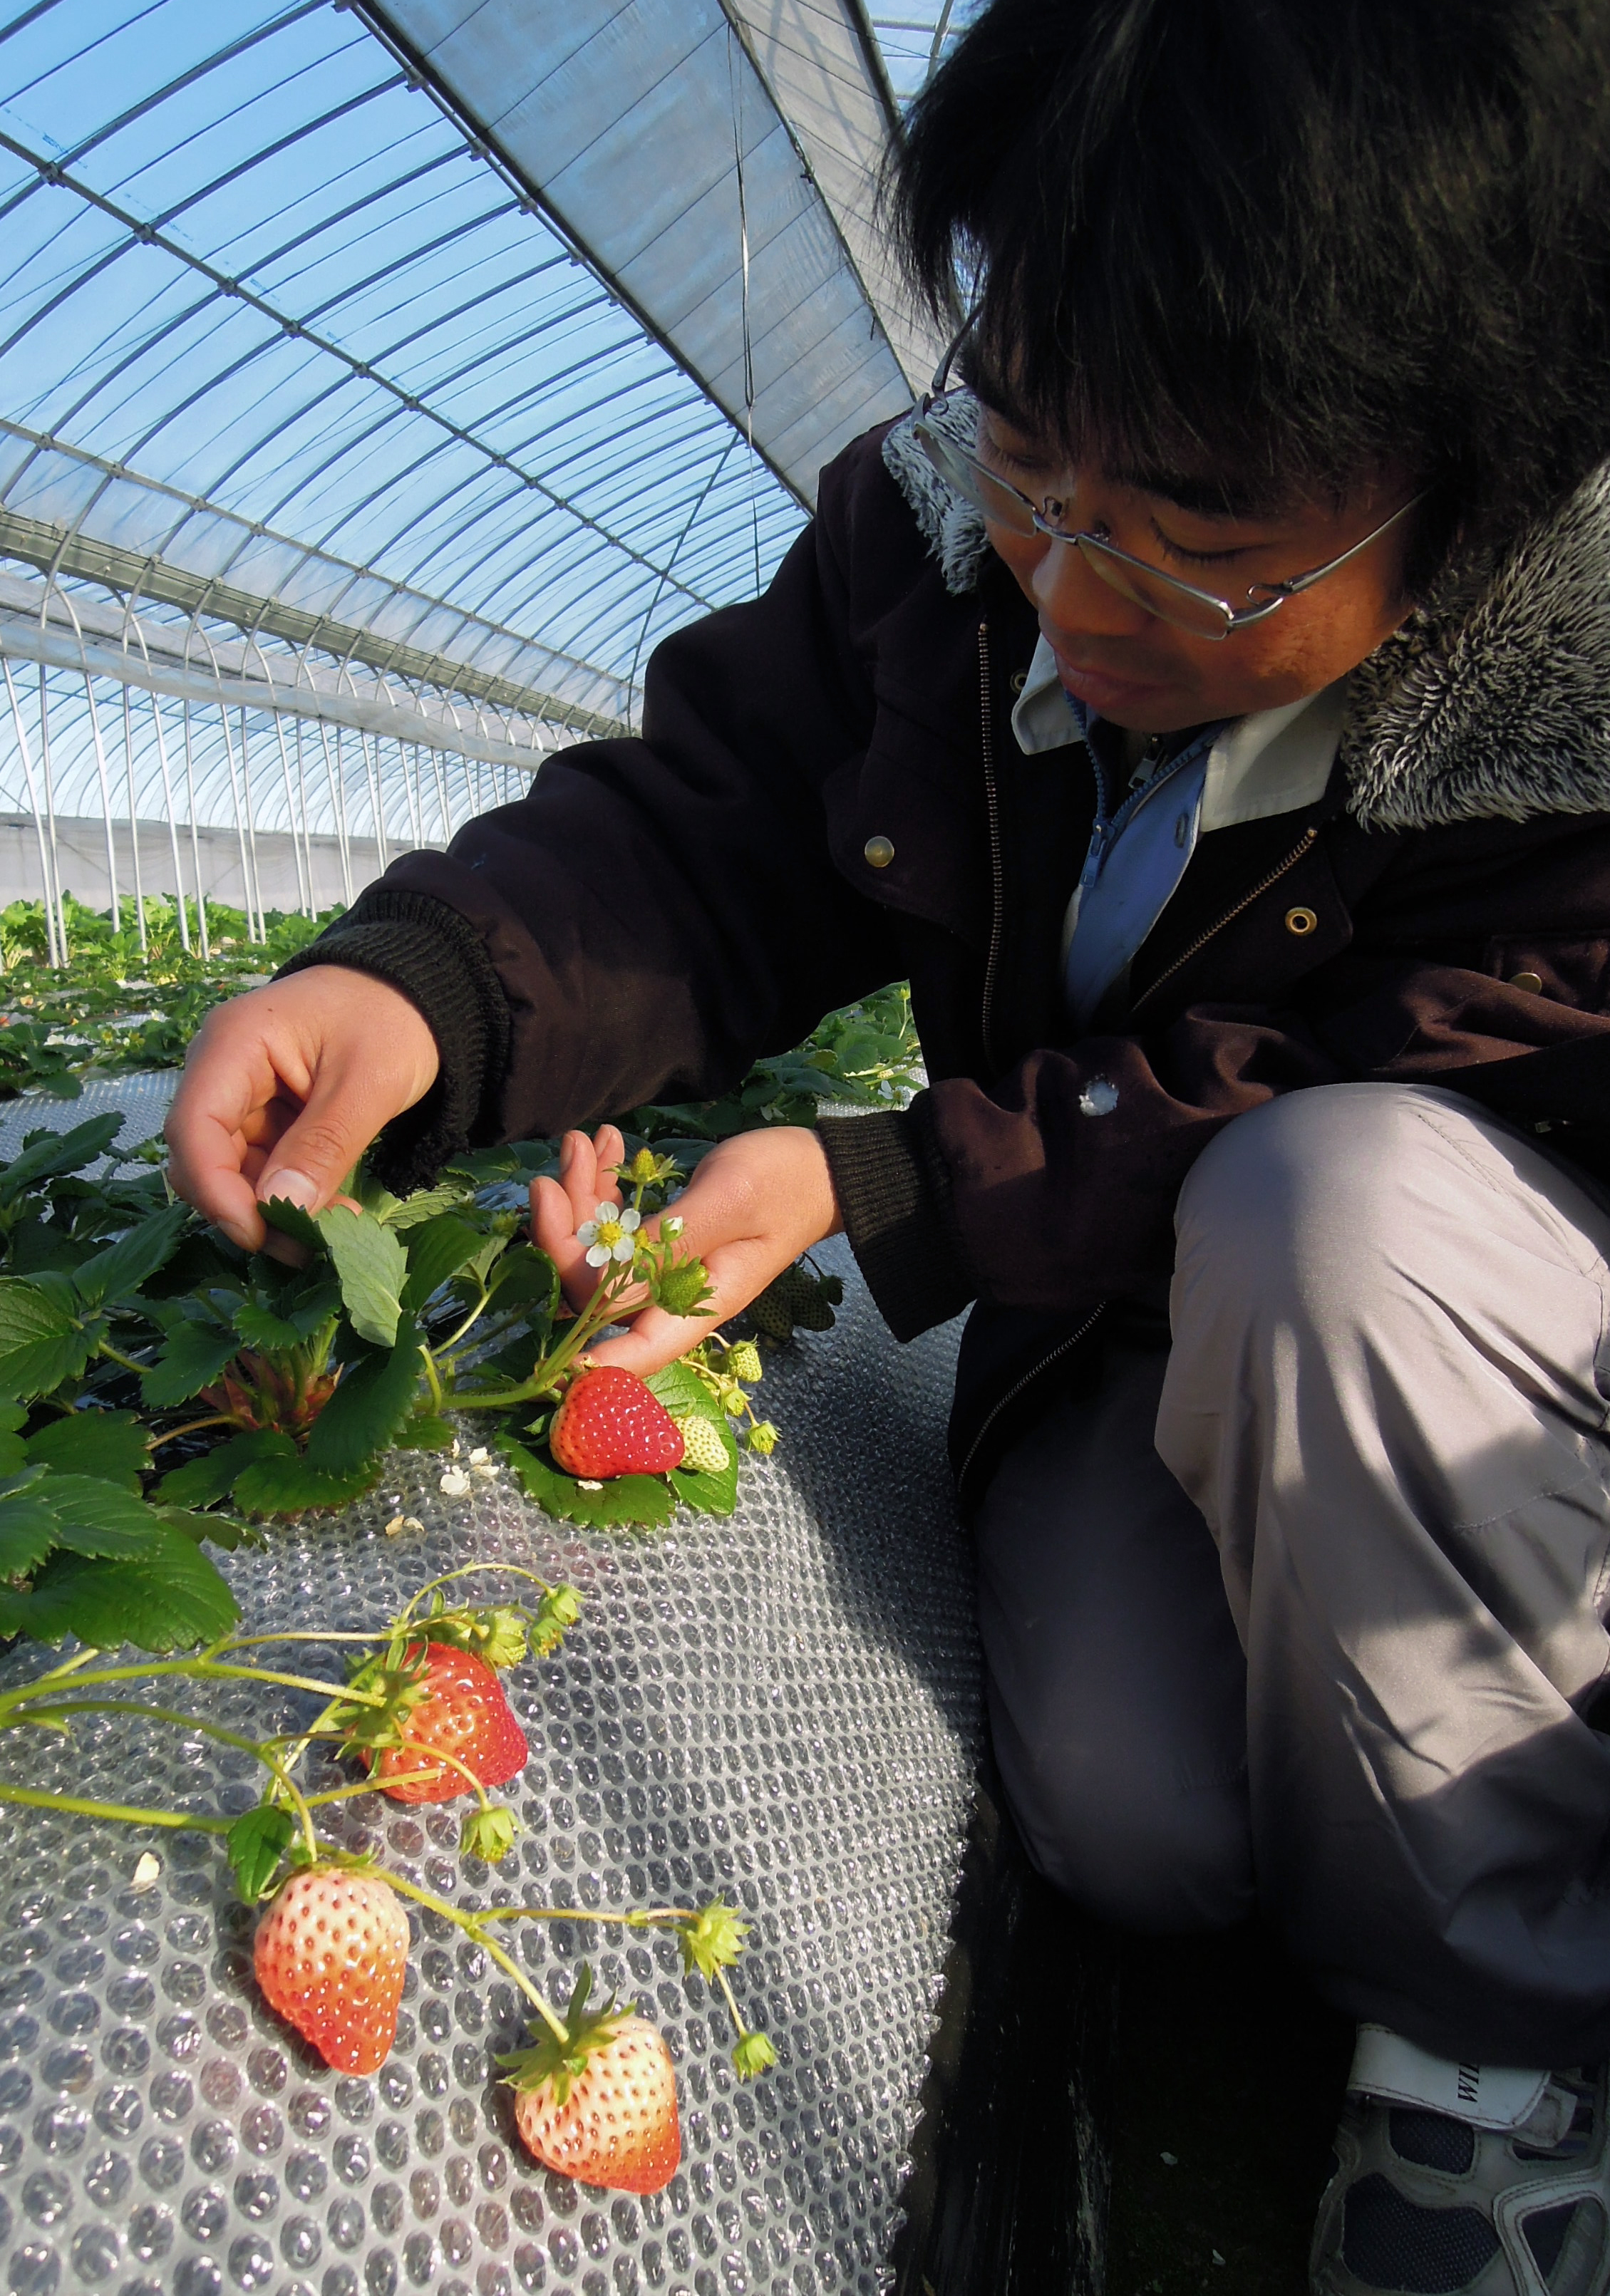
753, 1205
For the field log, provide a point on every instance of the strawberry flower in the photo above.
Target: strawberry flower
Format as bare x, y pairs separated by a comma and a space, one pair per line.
608, 1234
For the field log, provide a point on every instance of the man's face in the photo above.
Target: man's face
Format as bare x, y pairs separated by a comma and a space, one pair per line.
1140, 672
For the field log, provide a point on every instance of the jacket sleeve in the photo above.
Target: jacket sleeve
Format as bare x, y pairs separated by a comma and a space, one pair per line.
1057, 1187
656, 911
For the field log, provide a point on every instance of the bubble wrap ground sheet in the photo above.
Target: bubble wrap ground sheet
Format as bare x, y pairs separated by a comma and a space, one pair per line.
783, 1708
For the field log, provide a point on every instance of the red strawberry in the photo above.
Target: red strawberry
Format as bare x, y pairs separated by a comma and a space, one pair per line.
464, 1713
330, 1956
602, 2105
610, 1424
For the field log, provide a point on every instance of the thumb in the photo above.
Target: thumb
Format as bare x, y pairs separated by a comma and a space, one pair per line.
313, 1155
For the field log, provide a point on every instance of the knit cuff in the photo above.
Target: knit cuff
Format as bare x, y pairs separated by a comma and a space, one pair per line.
440, 963
894, 1192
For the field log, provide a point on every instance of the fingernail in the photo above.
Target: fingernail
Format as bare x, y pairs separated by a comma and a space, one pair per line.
293, 1187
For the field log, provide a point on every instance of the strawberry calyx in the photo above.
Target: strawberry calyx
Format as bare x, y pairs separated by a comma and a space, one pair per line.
401, 1680
558, 2058
713, 1939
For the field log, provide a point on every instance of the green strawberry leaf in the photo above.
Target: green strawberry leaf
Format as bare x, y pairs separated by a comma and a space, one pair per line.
13, 1452
169, 1598
682, 1391
256, 1843
291, 1220
289, 1485
426, 1433
437, 1250
110, 1445
257, 1326
415, 1210
97, 1518
28, 1532
202, 1482
42, 1340
224, 1530
525, 1277
375, 1396
59, 1151
372, 1268
194, 1356
125, 1265
645, 1500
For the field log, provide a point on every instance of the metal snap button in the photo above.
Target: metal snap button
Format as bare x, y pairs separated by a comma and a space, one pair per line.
1301, 922
1099, 1097
1019, 679
1531, 982
878, 851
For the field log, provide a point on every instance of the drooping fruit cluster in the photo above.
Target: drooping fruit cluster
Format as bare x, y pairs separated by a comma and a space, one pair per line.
330, 1955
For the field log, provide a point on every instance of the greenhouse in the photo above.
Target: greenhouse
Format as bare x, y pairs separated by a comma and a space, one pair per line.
804, 1183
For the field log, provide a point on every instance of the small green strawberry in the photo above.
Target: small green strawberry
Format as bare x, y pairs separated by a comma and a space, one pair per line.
762, 1437
701, 1445
743, 1361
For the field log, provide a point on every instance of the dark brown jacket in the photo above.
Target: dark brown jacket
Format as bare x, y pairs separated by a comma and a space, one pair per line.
657, 912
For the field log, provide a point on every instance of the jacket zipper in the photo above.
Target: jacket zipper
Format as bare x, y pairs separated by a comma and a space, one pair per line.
992, 807
1309, 837
1027, 1380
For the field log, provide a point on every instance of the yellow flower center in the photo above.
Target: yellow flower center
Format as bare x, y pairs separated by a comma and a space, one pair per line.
610, 1233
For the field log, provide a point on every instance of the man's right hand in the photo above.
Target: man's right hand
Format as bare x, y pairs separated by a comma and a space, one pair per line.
285, 1088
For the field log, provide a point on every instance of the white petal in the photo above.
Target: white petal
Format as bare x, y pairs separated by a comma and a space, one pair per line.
478, 1453
588, 1233
585, 1483
599, 1256
455, 1483
607, 1212
630, 1219
624, 1248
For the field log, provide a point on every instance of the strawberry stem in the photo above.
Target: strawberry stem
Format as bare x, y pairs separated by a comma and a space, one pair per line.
469, 1923
177, 1820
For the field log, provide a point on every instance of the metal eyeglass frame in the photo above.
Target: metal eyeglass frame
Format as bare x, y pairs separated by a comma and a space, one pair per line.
963, 471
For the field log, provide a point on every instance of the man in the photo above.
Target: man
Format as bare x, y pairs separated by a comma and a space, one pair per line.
1209, 711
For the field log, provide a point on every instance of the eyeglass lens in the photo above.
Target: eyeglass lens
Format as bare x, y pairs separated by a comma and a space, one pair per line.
1003, 506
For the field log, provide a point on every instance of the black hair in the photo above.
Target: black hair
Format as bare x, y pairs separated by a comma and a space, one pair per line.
1285, 243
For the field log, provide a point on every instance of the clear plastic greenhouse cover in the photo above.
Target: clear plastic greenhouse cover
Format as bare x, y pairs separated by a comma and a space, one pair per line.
379, 383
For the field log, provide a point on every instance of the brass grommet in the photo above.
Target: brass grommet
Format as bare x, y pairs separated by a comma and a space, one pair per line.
1019, 679
1531, 982
878, 852
1301, 922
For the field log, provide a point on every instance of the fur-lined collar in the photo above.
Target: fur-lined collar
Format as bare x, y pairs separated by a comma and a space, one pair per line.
1502, 712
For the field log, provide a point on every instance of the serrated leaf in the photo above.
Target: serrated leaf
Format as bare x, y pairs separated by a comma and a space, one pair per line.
290, 1486
707, 1492
369, 1406
256, 1843
169, 1598
110, 1445
525, 1277
194, 1356
645, 1500
372, 1268
97, 1518
682, 1391
125, 1265
427, 1434
271, 1333
437, 1250
427, 1203
63, 1152
42, 1341
28, 1532
13, 1452
291, 1220
202, 1482
224, 1530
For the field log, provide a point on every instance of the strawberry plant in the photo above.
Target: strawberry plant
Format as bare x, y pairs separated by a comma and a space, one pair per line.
425, 1713
161, 1387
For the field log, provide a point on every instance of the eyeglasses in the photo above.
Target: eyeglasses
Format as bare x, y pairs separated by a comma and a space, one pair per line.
1155, 592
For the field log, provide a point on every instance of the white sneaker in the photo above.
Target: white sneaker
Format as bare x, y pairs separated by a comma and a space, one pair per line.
1465, 2180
